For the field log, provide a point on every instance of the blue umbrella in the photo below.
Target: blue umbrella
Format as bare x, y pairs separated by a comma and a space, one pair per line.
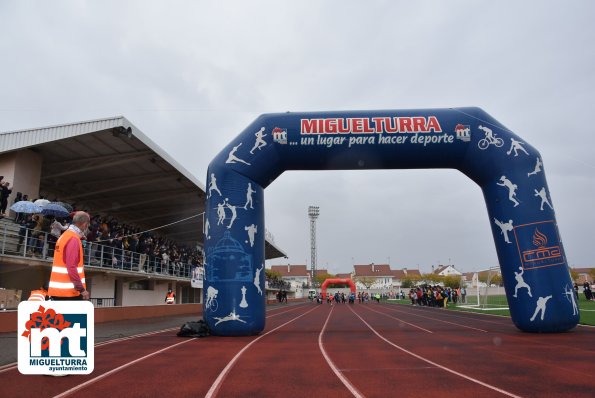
24, 206
65, 205
54, 209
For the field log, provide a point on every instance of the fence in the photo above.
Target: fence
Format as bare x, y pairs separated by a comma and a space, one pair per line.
23, 242
486, 298
103, 302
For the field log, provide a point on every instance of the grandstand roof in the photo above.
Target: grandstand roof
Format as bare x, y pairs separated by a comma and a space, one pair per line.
373, 270
109, 167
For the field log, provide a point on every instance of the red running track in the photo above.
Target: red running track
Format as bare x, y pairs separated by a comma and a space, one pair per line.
361, 350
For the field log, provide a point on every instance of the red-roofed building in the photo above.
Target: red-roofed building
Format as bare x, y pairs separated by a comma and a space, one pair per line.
293, 273
584, 275
447, 270
400, 274
373, 276
321, 272
343, 276
470, 279
298, 276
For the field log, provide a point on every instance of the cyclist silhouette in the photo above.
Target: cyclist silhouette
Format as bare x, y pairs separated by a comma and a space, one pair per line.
212, 299
490, 139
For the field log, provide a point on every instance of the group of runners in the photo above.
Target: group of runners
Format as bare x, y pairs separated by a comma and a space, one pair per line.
342, 298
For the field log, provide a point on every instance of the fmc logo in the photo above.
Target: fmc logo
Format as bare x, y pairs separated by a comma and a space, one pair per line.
56, 337
538, 245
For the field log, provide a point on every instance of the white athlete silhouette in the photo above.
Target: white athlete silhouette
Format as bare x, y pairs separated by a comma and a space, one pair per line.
231, 317
220, 212
207, 226
232, 158
213, 186
249, 193
490, 139
537, 168
234, 214
257, 279
260, 143
543, 195
505, 182
541, 302
488, 133
570, 296
243, 303
520, 282
516, 146
505, 227
252, 230
211, 295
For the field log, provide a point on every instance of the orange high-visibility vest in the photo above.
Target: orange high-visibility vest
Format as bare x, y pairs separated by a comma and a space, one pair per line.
170, 298
38, 295
60, 283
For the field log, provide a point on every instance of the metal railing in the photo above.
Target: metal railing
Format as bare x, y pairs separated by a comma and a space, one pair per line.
29, 243
103, 302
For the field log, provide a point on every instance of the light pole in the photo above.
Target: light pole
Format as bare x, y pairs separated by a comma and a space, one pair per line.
313, 213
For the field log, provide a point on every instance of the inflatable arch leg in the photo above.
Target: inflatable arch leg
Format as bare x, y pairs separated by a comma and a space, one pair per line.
508, 170
338, 281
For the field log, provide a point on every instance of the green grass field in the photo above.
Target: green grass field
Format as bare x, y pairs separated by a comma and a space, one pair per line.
587, 308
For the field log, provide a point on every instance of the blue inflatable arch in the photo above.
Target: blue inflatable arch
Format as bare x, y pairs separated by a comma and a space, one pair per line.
508, 170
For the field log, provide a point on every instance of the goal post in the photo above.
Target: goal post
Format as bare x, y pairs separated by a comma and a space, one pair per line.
486, 291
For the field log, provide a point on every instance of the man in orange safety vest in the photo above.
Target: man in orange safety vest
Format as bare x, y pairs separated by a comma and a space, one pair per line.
170, 297
67, 281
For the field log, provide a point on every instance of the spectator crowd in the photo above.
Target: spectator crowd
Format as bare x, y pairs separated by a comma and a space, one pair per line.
436, 296
110, 243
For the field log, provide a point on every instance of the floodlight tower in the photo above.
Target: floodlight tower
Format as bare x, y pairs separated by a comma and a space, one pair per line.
313, 212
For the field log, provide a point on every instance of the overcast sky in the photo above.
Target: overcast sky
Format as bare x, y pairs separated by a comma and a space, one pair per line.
192, 74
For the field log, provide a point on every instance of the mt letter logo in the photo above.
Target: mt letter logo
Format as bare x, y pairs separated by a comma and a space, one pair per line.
56, 337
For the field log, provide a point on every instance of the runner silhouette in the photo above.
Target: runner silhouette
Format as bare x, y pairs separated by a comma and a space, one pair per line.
260, 143
505, 182
537, 168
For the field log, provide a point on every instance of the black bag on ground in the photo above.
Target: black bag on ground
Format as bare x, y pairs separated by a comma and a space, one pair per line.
194, 329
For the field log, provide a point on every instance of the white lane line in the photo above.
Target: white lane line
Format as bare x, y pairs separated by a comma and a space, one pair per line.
9, 366
219, 380
494, 319
107, 342
436, 320
284, 312
14, 365
400, 320
332, 365
106, 374
491, 387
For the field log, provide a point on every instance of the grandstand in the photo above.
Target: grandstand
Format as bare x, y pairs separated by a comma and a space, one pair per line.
109, 168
